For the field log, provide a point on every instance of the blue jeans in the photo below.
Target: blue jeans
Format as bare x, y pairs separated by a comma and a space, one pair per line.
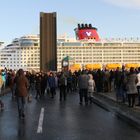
123, 94
120, 94
21, 104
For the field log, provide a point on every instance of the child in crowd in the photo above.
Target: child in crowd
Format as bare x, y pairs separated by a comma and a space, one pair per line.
91, 88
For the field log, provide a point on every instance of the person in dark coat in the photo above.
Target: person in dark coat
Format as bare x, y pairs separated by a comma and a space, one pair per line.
117, 84
62, 82
99, 80
69, 82
11, 83
83, 87
38, 85
43, 83
22, 85
52, 84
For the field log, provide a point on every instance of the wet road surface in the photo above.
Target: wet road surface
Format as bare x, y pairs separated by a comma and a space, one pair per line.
65, 120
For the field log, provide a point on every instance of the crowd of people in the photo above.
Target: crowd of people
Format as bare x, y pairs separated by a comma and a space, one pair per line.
125, 83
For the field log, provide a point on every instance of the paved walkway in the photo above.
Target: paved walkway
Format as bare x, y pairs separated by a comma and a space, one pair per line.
50, 119
108, 101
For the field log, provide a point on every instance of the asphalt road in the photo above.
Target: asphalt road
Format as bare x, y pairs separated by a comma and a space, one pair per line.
50, 119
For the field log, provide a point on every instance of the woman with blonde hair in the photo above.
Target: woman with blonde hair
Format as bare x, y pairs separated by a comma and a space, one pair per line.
91, 88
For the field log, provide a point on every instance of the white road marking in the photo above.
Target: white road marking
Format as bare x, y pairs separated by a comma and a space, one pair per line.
40, 124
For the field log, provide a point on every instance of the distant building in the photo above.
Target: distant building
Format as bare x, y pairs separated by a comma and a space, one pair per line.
48, 42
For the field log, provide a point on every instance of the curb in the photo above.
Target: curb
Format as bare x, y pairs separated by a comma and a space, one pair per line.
101, 104
129, 119
101, 101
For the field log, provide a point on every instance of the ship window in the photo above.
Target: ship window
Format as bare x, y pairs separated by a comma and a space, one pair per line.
72, 44
35, 44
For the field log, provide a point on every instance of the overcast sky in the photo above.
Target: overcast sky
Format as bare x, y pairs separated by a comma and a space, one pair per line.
113, 18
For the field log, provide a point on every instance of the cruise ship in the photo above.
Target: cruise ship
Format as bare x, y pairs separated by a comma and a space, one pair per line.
105, 53
23, 53
87, 50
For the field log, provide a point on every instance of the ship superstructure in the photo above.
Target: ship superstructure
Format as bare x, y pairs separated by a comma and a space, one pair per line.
24, 52
21, 53
104, 52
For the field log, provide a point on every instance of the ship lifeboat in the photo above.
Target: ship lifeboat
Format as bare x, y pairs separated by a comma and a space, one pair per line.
96, 66
93, 66
75, 67
134, 65
113, 66
89, 66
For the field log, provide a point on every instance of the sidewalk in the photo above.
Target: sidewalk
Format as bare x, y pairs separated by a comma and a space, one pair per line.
108, 102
